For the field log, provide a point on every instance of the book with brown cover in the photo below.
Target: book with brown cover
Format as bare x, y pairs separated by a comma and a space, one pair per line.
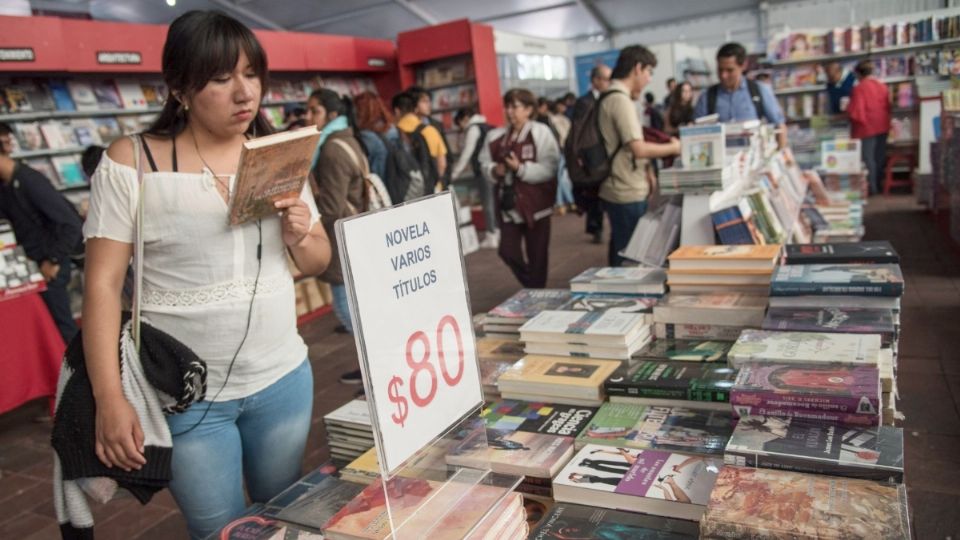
271, 168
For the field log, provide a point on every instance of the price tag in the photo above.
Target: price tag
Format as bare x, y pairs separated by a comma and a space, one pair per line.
405, 276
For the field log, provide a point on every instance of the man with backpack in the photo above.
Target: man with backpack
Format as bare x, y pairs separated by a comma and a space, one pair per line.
587, 200
423, 141
621, 163
46, 225
475, 128
738, 99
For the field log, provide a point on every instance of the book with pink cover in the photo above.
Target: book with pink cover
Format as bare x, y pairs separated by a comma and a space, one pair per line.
271, 168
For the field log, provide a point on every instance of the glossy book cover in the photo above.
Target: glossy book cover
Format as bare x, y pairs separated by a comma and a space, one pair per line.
801, 445
755, 504
828, 387
527, 303
873, 252
832, 320
804, 348
568, 521
687, 350
511, 452
677, 429
837, 279
672, 380
537, 417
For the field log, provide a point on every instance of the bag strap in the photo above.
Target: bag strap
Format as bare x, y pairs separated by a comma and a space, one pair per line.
364, 167
757, 98
138, 159
712, 99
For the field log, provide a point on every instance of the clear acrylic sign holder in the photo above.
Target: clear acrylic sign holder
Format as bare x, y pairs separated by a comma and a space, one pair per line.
410, 306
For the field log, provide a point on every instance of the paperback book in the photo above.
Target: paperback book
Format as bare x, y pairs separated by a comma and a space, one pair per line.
558, 377
511, 451
544, 418
837, 279
833, 321
761, 503
684, 350
647, 481
320, 503
738, 257
619, 303
702, 147
526, 304
835, 388
697, 331
601, 328
872, 252
869, 302
573, 521
677, 429
680, 381
623, 280
796, 444
804, 348
727, 309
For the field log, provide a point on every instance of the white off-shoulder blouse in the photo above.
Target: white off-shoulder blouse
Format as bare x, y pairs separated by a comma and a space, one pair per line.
199, 273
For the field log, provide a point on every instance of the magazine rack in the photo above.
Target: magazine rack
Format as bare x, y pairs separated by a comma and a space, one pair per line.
410, 307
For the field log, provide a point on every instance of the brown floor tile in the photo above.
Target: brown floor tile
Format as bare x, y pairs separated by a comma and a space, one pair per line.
28, 500
172, 527
921, 365
130, 523
926, 401
23, 525
932, 462
12, 485
935, 515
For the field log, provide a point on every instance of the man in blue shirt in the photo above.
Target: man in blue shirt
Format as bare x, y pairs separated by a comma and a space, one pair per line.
737, 99
839, 86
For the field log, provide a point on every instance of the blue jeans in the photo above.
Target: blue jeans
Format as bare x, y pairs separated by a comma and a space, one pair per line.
341, 306
623, 220
564, 184
259, 439
874, 154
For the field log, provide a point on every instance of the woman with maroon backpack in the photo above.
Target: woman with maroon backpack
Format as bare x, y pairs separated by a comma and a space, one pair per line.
521, 160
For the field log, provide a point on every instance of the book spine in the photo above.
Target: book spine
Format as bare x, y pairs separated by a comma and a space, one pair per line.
821, 402
781, 288
800, 464
854, 420
652, 391
697, 331
827, 259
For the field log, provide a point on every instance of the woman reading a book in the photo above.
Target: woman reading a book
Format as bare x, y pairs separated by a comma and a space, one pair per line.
223, 291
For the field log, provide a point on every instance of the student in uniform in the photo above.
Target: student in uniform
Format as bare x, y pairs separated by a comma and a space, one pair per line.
224, 291
521, 161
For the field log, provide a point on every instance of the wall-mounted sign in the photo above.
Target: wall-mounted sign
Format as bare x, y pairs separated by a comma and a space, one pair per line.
17, 54
119, 58
376, 62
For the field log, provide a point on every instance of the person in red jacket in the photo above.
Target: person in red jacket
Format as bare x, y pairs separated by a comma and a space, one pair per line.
869, 112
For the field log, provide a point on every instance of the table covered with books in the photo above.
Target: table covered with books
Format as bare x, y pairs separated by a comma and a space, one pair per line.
30, 353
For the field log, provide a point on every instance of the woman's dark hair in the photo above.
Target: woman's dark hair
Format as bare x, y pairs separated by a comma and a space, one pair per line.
200, 46
404, 102
91, 158
864, 68
464, 113
520, 95
343, 106
680, 113
543, 102
630, 57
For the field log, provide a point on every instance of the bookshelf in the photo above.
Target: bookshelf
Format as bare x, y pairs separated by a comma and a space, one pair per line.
870, 51
115, 70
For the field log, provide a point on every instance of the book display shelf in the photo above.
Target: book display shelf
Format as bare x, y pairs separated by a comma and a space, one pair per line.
68, 84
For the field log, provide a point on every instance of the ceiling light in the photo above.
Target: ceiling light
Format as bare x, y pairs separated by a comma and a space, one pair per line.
171, 3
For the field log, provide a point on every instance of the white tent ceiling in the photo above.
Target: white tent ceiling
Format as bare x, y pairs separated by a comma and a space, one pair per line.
385, 18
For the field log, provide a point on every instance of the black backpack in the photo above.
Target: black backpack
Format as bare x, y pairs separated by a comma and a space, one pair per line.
755, 96
586, 151
475, 156
402, 169
421, 151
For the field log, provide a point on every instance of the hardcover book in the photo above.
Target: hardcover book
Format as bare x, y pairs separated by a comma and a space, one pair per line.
728, 309
623, 280
648, 481
677, 429
828, 387
833, 321
760, 503
873, 252
526, 304
271, 168
739, 257
672, 381
573, 521
510, 451
796, 444
837, 279
559, 377
545, 418
804, 348
684, 350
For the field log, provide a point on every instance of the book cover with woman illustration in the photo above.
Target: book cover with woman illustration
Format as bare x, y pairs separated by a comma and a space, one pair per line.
828, 387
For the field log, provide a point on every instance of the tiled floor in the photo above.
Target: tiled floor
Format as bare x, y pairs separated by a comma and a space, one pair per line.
929, 382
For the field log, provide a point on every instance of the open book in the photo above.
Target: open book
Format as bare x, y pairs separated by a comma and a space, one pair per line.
271, 168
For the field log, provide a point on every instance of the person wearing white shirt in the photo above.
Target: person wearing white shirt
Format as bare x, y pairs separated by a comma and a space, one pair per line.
474, 127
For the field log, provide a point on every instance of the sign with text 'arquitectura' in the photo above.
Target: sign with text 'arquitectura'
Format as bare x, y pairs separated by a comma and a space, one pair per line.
411, 313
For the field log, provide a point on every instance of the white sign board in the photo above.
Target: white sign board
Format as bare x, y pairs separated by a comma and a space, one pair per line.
405, 276
840, 156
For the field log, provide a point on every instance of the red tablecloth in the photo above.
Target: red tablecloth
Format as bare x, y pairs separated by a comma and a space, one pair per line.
30, 351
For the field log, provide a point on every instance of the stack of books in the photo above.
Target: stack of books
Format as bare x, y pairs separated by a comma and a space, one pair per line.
349, 431
717, 316
667, 384
685, 350
728, 268
363, 470
593, 522
634, 280
588, 334
505, 320
841, 209
496, 356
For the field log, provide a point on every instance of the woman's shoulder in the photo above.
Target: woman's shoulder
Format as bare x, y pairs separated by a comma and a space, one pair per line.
121, 151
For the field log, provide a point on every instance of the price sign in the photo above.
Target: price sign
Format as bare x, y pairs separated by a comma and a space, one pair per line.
405, 277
